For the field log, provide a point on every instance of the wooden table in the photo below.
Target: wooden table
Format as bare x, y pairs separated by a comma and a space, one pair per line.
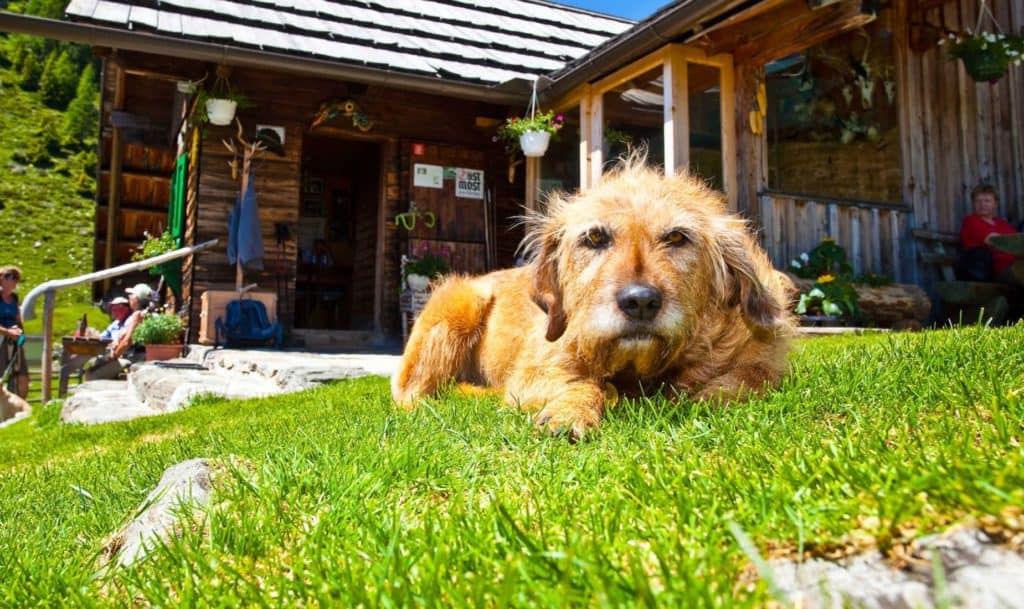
77, 351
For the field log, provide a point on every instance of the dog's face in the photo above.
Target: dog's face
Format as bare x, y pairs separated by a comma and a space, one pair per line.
626, 270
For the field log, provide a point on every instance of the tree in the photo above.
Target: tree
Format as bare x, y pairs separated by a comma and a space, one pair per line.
81, 121
57, 84
29, 72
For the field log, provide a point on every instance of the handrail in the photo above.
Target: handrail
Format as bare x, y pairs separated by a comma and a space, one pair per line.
839, 201
28, 305
49, 290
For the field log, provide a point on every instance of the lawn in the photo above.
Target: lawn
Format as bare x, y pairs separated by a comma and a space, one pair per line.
337, 499
47, 220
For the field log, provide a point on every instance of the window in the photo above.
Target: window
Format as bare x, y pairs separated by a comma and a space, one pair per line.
833, 125
560, 165
634, 116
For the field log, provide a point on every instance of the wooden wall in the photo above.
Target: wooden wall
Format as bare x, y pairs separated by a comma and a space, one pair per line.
291, 102
956, 132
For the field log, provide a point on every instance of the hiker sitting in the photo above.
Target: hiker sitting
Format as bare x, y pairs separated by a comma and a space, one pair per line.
121, 354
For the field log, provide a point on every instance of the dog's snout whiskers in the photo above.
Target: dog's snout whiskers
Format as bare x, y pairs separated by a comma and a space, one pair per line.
639, 301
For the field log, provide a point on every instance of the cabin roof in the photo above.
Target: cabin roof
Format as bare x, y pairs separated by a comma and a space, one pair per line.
486, 42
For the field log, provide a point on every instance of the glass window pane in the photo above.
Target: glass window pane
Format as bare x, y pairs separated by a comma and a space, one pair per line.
833, 125
560, 165
705, 110
634, 115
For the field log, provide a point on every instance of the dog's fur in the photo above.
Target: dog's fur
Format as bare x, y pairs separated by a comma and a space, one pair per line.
551, 334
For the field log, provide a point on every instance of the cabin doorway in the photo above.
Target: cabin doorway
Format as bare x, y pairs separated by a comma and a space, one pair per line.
337, 235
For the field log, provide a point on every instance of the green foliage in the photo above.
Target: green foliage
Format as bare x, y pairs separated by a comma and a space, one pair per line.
47, 209
335, 498
158, 329
515, 127
427, 262
31, 68
155, 246
829, 296
58, 81
81, 121
987, 55
828, 258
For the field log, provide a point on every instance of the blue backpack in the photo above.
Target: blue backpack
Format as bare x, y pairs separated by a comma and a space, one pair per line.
247, 322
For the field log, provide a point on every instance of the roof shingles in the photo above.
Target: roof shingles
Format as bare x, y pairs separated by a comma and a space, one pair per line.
477, 41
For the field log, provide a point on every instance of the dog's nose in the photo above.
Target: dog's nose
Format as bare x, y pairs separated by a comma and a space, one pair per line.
639, 301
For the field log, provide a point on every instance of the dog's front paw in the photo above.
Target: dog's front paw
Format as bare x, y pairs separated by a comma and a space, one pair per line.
570, 419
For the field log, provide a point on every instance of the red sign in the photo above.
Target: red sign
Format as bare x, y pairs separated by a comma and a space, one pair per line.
418, 149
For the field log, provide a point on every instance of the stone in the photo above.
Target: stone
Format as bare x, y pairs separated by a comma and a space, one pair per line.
977, 572
186, 484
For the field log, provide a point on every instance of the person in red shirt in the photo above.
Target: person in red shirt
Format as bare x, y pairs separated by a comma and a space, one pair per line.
978, 227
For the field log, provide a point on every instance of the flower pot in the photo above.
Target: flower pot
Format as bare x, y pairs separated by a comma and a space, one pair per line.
534, 143
159, 353
221, 111
828, 321
417, 283
985, 67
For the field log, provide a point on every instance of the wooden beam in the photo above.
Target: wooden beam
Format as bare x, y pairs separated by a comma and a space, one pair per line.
677, 116
116, 160
787, 29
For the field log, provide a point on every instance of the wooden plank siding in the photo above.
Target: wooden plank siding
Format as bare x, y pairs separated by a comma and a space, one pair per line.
873, 235
960, 132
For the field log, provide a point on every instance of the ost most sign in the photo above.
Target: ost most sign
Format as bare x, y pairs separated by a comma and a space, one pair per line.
469, 183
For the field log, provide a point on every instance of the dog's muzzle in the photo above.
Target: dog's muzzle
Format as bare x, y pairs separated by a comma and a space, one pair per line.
640, 302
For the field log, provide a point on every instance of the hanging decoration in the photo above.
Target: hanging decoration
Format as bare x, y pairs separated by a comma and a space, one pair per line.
334, 107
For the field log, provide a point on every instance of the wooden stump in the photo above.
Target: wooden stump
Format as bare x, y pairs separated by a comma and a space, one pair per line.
898, 305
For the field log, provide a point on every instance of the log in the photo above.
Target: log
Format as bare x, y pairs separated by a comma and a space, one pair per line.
898, 305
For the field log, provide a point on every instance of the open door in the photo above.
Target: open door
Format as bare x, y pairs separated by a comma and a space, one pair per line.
337, 234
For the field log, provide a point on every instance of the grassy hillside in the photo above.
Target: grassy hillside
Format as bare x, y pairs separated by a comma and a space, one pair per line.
340, 500
46, 207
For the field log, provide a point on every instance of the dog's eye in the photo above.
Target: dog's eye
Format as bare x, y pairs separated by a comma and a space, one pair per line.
596, 238
676, 238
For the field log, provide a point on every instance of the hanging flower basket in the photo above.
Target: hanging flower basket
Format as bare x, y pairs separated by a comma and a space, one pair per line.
221, 111
534, 143
986, 56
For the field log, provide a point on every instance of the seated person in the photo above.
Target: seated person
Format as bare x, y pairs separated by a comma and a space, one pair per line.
980, 261
127, 313
120, 311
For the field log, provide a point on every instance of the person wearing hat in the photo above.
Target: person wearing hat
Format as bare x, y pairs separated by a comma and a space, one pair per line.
11, 328
118, 356
120, 311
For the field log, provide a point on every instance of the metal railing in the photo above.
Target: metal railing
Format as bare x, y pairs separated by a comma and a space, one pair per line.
49, 290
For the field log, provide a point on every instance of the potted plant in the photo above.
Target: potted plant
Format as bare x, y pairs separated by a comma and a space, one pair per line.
153, 247
986, 55
161, 334
828, 302
424, 265
532, 134
219, 104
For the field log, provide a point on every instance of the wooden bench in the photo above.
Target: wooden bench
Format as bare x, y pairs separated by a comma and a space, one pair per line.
962, 299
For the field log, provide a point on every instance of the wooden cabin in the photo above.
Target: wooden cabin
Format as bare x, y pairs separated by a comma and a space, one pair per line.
841, 118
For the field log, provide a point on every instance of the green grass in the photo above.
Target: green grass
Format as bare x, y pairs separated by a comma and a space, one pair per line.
343, 501
48, 224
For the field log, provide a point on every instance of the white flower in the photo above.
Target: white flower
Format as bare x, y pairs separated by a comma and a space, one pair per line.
805, 257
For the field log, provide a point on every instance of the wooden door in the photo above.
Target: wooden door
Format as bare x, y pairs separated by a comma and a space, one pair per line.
450, 183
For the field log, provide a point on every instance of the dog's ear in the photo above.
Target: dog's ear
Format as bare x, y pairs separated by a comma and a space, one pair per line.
740, 284
546, 291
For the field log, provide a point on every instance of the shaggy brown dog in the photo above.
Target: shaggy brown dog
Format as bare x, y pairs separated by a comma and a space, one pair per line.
641, 282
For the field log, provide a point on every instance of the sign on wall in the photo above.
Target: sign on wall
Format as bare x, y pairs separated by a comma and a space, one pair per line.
469, 183
428, 176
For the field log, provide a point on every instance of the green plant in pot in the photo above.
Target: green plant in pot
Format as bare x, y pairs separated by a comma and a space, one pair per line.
986, 55
425, 265
161, 335
155, 246
530, 134
218, 105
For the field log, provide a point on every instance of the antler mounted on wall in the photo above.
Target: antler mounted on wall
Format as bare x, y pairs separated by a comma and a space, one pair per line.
346, 107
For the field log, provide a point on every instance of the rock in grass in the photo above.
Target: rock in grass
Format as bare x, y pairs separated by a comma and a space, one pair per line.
971, 571
186, 484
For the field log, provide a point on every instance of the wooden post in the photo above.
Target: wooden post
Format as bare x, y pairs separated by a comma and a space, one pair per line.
532, 182
116, 161
47, 368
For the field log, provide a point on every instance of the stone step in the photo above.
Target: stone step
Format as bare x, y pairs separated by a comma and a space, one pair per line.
163, 387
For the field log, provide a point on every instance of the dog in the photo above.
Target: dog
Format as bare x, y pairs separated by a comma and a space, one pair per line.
639, 283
